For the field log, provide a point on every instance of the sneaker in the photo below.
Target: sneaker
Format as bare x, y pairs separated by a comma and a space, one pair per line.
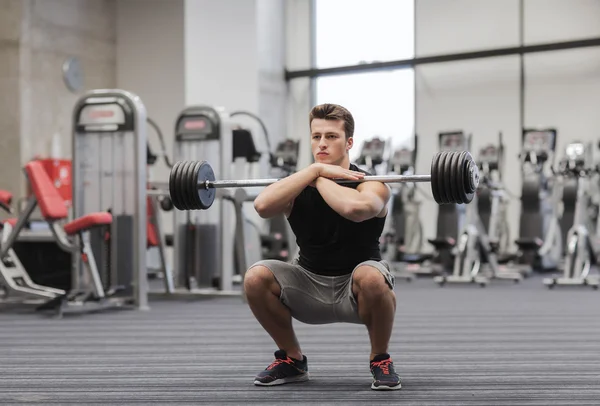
384, 374
283, 370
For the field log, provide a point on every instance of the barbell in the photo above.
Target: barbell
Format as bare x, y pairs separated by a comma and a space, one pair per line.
454, 179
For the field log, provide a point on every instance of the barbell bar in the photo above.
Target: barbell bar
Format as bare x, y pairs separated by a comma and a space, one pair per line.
454, 179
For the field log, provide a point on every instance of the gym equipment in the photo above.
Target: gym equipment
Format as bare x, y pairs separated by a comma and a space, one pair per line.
450, 217
580, 256
454, 178
279, 242
109, 174
15, 283
493, 199
285, 156
403, 232
540, 238
73, 236
372, 154
474, 246
156, 239
151, 157
6, 201
204, 241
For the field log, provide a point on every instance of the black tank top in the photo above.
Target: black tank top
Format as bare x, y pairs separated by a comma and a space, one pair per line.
330, 244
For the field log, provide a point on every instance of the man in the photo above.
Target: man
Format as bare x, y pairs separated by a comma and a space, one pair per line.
338, 275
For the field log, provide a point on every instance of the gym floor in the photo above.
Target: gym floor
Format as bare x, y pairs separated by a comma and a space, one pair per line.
457, 345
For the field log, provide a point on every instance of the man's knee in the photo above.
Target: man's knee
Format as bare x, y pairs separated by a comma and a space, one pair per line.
370, 282
259, 280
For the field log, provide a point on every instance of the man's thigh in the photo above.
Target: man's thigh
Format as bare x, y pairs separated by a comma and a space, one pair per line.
347, 307
310, 297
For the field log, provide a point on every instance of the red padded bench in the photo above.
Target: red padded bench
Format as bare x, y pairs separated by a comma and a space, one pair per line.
52, 205
53, 210
6, 200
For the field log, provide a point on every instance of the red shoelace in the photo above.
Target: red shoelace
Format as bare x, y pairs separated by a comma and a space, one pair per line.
384, 365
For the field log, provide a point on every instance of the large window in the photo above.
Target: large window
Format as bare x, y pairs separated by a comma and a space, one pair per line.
349, 32
382, 104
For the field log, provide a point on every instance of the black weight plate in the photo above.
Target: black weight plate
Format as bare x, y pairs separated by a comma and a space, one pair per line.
191, 191
205, 196
448, 180
474, 173
183, 185
180, 186
438, 178
174, 188
190, 186
442, 177
459, 178
470, 177
451, 177
196, 203
452, 192
435, 180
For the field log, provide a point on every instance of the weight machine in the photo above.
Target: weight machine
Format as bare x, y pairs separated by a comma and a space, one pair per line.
372, 154
540, 238
450, 218
580, 255
403, 234
280, 242
493, 199
109, 180
476, 250
204, 241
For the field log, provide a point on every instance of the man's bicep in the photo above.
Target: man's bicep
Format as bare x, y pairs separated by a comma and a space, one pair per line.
378, 193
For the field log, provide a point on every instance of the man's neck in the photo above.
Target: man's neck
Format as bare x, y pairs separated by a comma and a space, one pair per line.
345, 162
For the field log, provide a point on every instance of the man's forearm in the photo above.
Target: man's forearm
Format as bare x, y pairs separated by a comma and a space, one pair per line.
343, 200
275, 197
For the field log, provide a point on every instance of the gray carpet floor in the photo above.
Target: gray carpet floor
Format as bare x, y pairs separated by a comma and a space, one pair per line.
457, 345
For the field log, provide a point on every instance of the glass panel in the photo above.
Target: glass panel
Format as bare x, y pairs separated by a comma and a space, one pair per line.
349, 32
382, 104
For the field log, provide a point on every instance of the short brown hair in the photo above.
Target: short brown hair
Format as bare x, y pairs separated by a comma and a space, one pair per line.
328, 111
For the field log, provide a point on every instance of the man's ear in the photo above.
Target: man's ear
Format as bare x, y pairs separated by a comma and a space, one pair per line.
349, 143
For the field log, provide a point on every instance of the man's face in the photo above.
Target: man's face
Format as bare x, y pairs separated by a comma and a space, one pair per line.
328, 141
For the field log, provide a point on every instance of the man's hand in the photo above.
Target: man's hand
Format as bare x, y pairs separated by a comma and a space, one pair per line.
336, 172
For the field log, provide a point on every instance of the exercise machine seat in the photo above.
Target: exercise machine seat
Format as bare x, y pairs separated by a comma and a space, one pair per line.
529, 243
442, 243
416, 258
88, 221
52, 205
5, 197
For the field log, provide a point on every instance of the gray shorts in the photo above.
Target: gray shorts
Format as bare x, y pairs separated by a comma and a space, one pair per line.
318, 299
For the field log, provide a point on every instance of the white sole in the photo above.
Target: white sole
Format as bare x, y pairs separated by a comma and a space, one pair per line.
385, 387
298, 378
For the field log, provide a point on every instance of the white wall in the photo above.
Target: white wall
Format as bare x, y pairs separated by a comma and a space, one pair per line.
451, 26
299, 56
150, 55
482, 96
272, 89
221, 53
